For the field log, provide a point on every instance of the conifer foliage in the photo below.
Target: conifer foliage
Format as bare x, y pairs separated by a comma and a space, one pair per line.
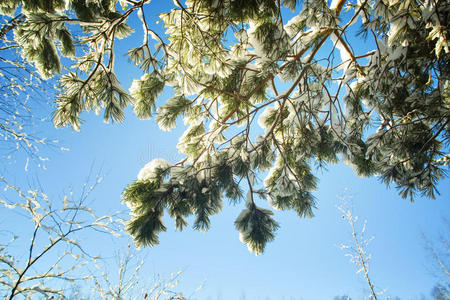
262, 85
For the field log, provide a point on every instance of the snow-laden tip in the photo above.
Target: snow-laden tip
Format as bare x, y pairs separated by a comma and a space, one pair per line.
149, 170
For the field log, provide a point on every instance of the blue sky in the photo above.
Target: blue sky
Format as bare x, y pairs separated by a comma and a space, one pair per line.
303, 262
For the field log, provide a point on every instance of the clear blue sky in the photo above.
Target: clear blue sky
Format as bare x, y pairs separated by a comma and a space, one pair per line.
303, 262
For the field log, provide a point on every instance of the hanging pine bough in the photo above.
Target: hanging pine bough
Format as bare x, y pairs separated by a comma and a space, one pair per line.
260, 92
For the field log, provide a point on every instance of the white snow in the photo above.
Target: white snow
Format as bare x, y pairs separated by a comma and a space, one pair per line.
257, 46
345, 56
241, 237
148, 172
265, 115
278, 162
271, 203
397, 53
334, 4
290, 25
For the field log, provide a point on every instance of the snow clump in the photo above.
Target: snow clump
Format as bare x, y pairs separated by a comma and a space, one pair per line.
149, 171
